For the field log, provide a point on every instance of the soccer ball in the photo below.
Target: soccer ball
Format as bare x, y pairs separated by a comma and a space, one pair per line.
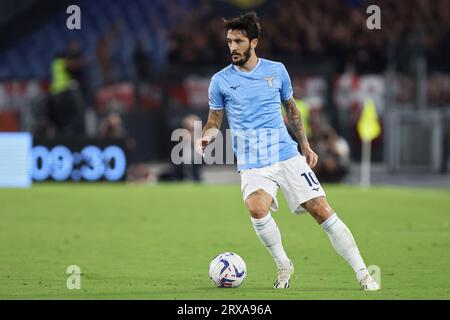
227, 270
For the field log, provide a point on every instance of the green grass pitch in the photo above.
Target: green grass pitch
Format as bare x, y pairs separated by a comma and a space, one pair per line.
156, 242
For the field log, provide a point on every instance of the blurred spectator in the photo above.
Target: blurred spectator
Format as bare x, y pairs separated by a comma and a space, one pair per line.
190, 32
143, 70
334, 156
65, 109
322, 29
75, 65
141, 63
104, 54
112, 127
187, 170
104, 59
140, 173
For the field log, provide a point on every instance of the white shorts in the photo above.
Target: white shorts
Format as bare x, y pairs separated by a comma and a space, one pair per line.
294, 176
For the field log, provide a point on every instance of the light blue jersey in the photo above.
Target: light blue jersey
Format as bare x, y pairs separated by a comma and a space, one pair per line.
252, 101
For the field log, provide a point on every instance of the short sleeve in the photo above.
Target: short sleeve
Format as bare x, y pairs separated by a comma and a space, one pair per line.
286, 91
215, 96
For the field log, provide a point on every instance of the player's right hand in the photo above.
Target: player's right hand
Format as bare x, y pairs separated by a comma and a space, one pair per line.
201, 143
311, 157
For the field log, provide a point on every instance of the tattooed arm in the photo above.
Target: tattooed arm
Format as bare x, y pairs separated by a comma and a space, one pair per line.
296, 124
210, 130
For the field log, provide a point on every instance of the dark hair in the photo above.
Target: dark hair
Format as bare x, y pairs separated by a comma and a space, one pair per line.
248, 24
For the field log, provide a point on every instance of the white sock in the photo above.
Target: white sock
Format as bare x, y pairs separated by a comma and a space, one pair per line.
344, 244
267, 230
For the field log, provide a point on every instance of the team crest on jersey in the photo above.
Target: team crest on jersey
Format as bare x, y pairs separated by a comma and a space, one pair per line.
269, 80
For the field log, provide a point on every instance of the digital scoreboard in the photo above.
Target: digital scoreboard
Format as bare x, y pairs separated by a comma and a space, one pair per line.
75, 160
24, 160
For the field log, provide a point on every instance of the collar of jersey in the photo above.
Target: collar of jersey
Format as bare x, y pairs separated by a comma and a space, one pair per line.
248, 73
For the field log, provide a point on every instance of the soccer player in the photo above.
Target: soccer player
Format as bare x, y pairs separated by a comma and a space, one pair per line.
251, 90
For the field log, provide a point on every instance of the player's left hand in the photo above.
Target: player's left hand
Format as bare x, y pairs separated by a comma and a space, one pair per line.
311, 157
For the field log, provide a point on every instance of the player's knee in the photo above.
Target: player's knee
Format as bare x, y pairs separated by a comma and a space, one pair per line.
257, 211
322, 212
325, 211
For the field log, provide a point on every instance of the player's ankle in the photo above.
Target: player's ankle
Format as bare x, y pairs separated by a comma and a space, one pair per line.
361, 274
283, 264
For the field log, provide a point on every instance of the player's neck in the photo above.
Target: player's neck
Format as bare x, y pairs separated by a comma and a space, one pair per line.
250, 64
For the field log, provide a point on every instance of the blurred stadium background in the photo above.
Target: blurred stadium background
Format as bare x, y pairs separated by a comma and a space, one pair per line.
135, 71
100, 103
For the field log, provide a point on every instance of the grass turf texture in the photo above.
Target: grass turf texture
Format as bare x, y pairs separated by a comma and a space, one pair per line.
139, 242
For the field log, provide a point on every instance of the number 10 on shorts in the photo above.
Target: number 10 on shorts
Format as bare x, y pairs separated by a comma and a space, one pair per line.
310, 177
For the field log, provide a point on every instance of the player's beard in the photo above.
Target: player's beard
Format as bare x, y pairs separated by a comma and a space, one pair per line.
246, 55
